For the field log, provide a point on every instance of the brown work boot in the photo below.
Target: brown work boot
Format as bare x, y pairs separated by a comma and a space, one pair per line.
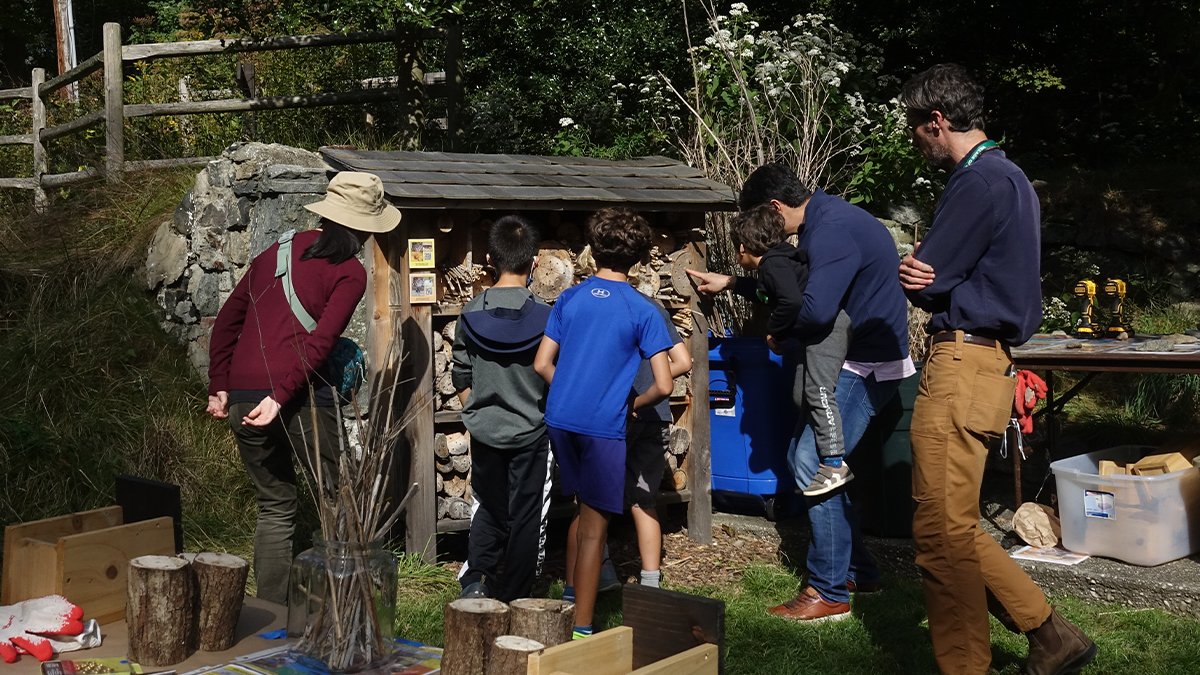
811, 607
1058, 647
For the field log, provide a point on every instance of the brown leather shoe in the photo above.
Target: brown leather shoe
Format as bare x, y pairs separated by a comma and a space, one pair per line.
1058, 647
863, 587
810, 606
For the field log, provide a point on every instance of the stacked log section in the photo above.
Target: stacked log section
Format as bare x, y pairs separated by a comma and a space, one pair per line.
452, 462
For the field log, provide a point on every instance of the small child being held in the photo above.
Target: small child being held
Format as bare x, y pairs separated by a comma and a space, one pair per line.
758, 234
598, 334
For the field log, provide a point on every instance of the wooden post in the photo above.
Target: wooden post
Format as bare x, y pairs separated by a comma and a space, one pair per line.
545, 620
409, 77
220, 588
114, 105
509, 655
39, 149
158, 614
472, 624
699, 458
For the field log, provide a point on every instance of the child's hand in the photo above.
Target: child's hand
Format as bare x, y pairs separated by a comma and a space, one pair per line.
773, 345
710, 282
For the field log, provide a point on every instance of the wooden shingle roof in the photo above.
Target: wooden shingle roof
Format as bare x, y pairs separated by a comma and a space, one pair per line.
532, 182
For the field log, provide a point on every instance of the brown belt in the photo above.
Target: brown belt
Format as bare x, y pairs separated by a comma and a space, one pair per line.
948, 336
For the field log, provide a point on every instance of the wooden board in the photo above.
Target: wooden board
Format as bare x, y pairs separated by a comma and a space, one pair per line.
666, 623
608, 652
700, 660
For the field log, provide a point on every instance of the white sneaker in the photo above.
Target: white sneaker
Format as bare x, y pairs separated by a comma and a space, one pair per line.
828, 479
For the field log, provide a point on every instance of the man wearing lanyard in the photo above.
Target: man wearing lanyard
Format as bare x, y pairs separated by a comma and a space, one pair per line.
977, 272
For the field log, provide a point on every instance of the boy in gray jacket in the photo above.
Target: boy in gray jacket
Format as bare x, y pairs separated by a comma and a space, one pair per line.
503, 405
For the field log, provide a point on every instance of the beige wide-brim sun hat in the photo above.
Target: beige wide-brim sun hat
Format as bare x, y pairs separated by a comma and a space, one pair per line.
356, 200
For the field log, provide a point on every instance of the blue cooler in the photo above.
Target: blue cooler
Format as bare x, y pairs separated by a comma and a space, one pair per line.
751, 418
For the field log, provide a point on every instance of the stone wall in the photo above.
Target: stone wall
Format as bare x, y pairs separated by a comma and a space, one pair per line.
239, 205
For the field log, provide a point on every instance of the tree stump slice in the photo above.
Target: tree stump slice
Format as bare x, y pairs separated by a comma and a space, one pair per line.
453, 404
443, 507
471, 625
441, 363
439, 487
159, 611
448, 330
680, 261
220, 588
461, 463
679, 478
509, 655
438, 341
455, 487
544, 620
445, 384
680, 440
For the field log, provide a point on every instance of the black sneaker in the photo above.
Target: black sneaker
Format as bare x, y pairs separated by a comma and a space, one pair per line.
474, 590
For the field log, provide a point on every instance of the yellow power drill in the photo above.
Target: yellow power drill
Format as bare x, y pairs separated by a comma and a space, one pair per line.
1086, 328
1118, 325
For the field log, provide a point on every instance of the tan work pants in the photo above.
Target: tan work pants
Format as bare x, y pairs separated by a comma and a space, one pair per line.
964, 401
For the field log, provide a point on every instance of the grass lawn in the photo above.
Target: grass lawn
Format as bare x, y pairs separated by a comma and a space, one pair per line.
886, 635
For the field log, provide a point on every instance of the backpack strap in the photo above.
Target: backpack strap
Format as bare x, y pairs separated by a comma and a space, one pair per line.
283, 269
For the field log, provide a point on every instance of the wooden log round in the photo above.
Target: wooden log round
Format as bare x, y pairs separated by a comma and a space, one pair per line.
545, 620
461, 463
680, 440
679, 386
438, 341
453, 403
443, 507
220, 588
441, 362
158, 610
441, 446
455, 487
509, 655
552, 276
672, 461
445, 385
471, 625
448, 330
458, 443
679, 479
682, 283
458, 509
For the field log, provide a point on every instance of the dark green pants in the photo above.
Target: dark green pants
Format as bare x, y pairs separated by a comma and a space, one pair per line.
267, 454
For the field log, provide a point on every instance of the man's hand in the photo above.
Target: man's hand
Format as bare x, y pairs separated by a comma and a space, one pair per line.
218, 405
263, 414
773, 345
710, 282
914, 274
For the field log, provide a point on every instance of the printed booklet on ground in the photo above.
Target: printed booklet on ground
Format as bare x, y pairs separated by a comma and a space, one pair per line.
1054, 555
410, 658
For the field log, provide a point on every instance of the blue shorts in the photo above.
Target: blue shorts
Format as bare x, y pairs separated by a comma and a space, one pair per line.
590, 467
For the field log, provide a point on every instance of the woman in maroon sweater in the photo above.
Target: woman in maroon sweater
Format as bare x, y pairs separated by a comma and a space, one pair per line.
265, 368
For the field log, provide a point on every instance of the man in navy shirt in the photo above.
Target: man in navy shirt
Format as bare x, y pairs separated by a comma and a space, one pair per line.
977, 272
852, 260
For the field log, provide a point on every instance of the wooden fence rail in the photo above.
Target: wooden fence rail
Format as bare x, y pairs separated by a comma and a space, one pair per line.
409, 85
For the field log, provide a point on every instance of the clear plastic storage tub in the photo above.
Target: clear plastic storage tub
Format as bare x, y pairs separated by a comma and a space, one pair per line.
1143, 520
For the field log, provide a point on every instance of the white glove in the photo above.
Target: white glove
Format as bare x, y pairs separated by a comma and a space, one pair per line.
25, 626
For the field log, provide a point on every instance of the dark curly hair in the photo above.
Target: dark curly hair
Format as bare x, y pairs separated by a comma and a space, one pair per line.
758, 229
619, 238
948, 88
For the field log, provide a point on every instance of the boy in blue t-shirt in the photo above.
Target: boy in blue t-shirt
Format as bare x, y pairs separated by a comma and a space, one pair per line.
598, 334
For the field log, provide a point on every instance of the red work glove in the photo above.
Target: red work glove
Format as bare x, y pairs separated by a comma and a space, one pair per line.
25, 626
1030, 390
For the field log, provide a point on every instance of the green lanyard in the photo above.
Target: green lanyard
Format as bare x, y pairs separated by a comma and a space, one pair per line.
979, 150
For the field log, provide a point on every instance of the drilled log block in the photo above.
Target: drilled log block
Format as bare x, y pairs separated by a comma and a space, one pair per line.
455, 487
448, 330
458, 443
458, 509
461, 463
220, 587
445, 385
471, 626
441, 447
159, 612
545, 620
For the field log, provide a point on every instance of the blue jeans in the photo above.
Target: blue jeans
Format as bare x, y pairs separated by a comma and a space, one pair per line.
836, 552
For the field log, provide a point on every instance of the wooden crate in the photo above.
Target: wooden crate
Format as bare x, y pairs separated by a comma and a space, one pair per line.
82, 556
611, 653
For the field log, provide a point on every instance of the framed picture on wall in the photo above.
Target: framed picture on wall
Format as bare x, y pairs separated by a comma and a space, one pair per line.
422, 287
420, 254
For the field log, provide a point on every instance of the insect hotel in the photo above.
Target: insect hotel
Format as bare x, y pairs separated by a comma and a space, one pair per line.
421, 274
